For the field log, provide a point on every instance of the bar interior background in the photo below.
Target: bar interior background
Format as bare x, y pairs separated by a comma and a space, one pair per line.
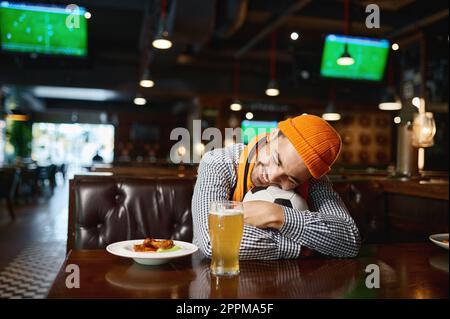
101, 91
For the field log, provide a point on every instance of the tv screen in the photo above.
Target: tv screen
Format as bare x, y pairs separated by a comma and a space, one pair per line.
146, 133
43, 29
252, 128
369, 56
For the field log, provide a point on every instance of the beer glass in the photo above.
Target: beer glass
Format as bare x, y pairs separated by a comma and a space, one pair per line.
224, 287
226, 225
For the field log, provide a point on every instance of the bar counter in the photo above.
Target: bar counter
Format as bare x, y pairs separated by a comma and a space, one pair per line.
433, 185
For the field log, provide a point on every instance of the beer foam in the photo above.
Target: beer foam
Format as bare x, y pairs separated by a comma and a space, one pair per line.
228, 212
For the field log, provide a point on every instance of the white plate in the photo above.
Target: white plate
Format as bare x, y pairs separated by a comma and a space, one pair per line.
438, 238
125, 249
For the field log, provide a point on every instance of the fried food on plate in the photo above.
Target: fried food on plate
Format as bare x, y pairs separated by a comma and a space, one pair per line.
152, 245
163, 244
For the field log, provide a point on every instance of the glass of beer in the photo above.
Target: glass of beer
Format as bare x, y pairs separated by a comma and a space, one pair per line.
224, 287
226, 226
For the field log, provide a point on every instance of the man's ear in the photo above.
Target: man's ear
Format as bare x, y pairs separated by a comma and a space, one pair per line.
273, 135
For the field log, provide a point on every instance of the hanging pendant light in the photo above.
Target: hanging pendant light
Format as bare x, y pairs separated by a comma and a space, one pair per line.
272, 88
139, 100
330, 113
345, 59
162, 40
146, 80
236, 105
389, 100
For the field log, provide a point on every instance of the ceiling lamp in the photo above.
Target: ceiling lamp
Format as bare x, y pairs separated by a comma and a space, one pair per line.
345, 59
272, 87
331, 116
236, 105
390, 106
140, 100
161, 40
390, 101
294, 36
146, 80
330, 113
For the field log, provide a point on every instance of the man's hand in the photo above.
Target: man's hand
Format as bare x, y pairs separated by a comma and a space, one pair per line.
263, 214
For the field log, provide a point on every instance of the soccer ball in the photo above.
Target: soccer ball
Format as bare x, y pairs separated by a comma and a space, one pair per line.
277, 195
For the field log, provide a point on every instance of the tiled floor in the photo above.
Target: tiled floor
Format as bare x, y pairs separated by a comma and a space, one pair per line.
32, 248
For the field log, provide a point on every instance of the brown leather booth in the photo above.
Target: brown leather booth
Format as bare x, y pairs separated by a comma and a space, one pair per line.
106, 209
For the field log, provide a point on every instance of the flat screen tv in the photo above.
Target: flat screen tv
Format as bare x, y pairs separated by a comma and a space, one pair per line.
142, 132
370, 56
252, 128
42, 29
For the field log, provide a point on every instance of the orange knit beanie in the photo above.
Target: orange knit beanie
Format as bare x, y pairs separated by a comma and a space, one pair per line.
316, 141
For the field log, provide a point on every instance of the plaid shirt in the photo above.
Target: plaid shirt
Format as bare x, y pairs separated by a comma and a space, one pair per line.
326, 227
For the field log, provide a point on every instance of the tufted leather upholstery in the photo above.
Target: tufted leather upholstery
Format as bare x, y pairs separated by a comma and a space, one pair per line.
106, 209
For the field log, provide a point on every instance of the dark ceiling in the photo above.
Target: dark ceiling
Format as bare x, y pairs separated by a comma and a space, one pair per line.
208, 35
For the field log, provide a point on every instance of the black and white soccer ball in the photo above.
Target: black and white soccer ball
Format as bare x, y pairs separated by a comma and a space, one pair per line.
277, 195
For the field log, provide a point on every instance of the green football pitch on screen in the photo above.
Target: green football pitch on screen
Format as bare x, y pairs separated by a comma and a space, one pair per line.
42, 29
370, 57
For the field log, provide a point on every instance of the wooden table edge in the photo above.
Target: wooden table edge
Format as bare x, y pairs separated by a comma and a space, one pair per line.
59, 274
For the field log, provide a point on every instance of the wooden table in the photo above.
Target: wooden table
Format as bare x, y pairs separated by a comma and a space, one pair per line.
406, 271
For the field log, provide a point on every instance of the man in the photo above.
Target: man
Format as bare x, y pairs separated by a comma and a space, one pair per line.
296, 155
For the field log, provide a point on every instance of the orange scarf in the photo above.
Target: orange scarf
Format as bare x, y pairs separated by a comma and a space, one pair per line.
247, 162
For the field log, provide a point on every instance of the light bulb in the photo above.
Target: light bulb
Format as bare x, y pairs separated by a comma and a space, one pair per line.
272, 88
390, 106
147, 83
416, 101
138, 100
236, 106
345, 61
331, 116
294, 36
272, 92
